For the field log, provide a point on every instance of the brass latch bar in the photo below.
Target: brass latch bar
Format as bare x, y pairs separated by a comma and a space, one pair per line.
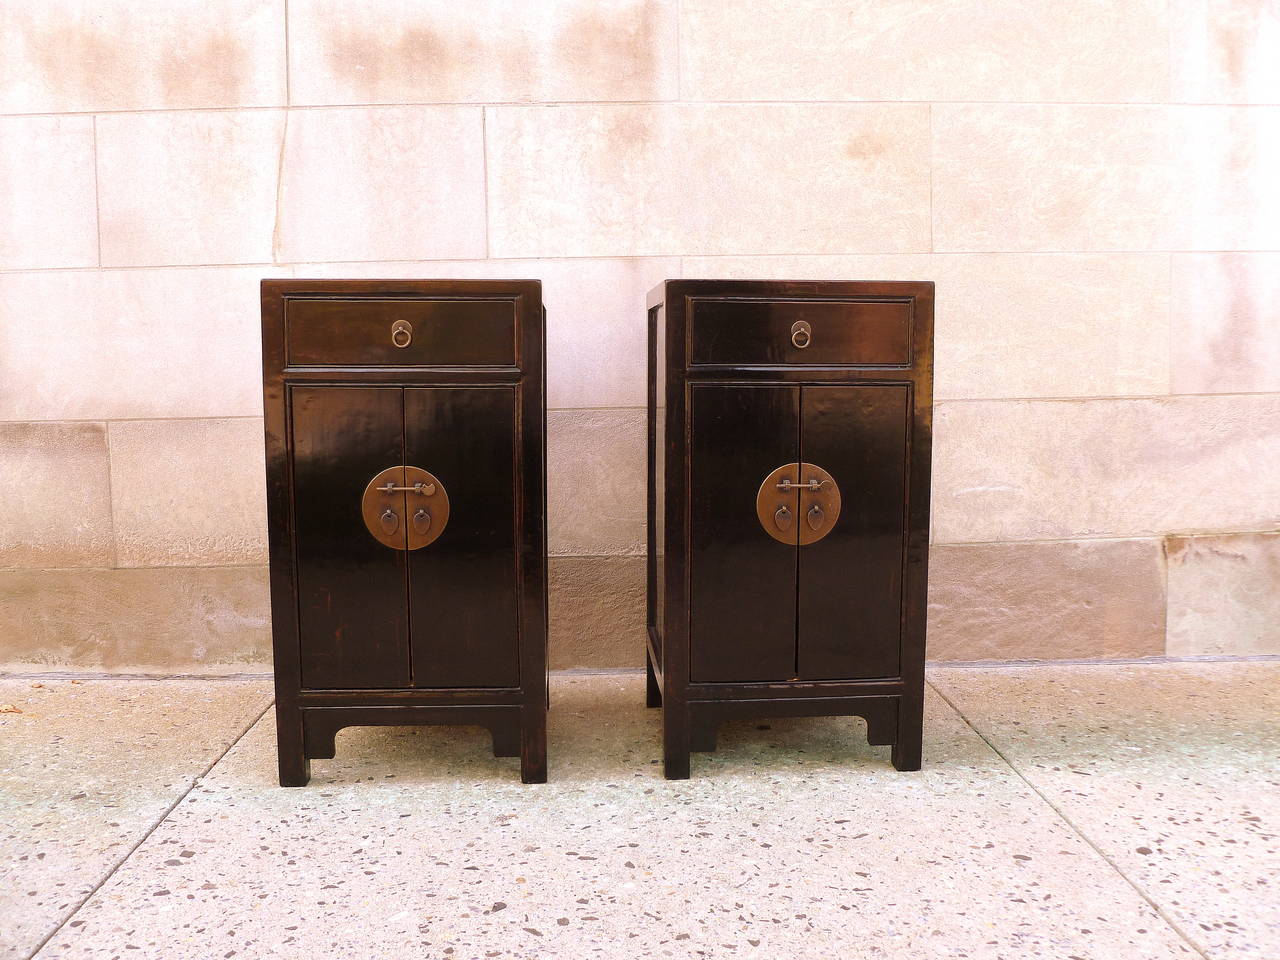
425, 489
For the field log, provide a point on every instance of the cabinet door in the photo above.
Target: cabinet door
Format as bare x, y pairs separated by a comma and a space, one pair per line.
351, 588
742, 591
849, 592
462, 587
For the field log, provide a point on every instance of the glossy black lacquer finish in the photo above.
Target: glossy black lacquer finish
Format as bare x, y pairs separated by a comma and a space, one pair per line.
364, 634
743, 624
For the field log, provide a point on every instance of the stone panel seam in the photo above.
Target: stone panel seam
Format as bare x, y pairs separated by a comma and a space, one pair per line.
648, 103
119, 569
1155, 907
111, 497
679, 51
245, 264
288, 85
484, 160
1126, 397
1164, 585
931, 243
1106, 661
233, 416
150, 830
275, 230
97, 193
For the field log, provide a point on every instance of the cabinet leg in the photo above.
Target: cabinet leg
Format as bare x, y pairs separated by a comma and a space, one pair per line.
702, 736
653, 692
908, 748
295, 768
533, 745
675, 743
506, 739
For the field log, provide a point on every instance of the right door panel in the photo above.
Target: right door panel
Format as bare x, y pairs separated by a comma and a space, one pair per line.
849, 591
464, 625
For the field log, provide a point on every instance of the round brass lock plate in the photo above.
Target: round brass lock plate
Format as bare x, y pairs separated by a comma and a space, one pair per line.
405, 508
427, 507
776, 508
820, 508
798, 503
383, 511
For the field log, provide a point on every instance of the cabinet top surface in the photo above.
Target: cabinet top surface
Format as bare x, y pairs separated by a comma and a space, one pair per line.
789, 288
392, 287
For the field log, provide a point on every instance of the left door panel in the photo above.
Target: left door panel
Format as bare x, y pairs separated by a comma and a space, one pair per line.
352, 590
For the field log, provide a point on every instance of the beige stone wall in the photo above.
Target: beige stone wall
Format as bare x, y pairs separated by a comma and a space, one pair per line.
1091, 183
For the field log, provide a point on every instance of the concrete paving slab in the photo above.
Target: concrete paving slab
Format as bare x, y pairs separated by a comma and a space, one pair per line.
87, 767
1171, 770
795, 840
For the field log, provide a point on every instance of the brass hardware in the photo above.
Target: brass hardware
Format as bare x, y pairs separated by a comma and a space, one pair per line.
402, 333
389, 521
793, 488
782, 518
815, 516
426, 489
386, 500
801, 334
776, 506
421, 522
813, 485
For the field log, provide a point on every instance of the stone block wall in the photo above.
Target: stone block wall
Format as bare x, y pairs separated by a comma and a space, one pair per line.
1092, 185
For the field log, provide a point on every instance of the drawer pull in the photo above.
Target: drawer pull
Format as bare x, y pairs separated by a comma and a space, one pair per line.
402, 333
801, 334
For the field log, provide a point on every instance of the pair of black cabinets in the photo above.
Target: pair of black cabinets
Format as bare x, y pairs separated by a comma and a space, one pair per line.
789, 438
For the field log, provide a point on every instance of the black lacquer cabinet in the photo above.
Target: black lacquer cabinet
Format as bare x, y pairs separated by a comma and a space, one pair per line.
789, 457
406, 505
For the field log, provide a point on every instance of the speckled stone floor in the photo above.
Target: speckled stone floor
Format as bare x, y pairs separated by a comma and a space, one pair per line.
1064, 812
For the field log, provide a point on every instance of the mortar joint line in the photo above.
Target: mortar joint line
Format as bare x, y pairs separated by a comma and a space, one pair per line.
97, 193
484, 165
152, 829
1159, 911
111, 496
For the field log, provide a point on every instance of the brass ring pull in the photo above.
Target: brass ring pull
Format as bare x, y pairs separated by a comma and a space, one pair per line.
389, 521
387, 498
402, 333
801, 334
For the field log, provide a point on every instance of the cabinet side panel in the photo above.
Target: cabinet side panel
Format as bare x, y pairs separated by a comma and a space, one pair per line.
462, 587
850, 586
351, 588
657, 465
742, 580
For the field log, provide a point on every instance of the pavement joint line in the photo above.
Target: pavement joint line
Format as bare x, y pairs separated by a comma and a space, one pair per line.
1159, 911
150, 830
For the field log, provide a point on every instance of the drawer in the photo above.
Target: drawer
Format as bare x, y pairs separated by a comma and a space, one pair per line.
872, 332
399, 332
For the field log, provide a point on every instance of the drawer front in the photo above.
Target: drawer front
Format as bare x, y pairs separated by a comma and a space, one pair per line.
400, 332
871, 332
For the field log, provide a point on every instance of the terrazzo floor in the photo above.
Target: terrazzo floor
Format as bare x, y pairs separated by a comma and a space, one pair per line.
1067, 811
